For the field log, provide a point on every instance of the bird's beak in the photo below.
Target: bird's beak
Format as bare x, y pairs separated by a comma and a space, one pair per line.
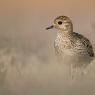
50, 27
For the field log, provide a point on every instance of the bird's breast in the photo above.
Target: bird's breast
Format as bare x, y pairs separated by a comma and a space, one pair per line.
67, 46
63, 46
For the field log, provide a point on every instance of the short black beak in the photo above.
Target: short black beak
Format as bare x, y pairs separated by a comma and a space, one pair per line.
50, 27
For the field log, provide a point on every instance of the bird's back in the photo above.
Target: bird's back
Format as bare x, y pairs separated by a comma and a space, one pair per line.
82, 44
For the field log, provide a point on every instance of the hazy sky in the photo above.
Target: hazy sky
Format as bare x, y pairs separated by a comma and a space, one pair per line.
28, 18
49, 5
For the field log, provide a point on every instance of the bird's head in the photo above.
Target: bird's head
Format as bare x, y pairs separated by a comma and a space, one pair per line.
62, 23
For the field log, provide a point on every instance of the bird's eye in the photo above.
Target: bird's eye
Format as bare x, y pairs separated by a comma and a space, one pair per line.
59, 22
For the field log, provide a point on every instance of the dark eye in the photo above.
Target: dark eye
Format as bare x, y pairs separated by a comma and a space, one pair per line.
60, 22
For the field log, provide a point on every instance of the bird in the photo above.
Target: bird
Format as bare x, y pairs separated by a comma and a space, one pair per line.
71, 47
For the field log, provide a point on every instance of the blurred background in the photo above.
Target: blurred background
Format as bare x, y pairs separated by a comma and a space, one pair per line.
27, 60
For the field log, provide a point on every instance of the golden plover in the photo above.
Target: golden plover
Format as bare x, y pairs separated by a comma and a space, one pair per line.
70, 45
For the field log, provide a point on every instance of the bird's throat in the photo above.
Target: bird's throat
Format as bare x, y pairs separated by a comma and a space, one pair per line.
64, 33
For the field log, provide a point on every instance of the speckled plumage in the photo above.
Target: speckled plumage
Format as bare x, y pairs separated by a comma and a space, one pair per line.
75, 43
69, 43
